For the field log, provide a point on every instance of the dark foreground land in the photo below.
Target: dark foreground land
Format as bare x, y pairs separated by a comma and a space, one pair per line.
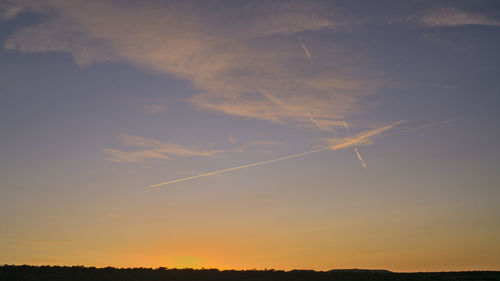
75, 273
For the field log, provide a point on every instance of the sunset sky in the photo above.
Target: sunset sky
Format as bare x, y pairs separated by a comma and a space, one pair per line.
364, 134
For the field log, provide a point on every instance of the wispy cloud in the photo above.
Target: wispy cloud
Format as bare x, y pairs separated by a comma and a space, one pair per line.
452, 17
230, 64
10, 9
152, 149
155, 109
241, 167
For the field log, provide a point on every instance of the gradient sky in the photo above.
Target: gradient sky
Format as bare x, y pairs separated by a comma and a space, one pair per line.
99, 100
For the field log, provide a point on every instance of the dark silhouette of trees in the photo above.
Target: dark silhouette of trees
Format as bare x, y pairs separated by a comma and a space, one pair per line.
81, 273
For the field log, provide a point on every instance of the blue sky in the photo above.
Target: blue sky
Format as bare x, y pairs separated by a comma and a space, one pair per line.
99, 100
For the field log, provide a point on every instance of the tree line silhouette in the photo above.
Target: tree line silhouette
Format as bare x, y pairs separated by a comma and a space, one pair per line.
77, 273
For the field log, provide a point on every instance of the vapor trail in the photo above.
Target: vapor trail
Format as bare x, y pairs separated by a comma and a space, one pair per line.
314, 121
243, 166
304, 47
355, 148
348, 143
420, 127
359, 157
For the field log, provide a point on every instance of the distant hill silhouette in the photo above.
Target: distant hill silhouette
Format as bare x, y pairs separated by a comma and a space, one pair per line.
77, 273
356, 270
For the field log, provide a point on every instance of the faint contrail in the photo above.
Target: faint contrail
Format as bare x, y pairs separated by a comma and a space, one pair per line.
243, 166
315, 122
359, 157
350, 142
289, 107
355, 148
304, 47
420, 127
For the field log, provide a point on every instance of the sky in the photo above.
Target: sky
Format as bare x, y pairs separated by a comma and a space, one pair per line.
250, 134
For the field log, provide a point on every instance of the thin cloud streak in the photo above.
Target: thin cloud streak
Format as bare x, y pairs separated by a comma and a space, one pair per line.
355, 148
153, 149
348, 143
359, 157
242, 167
362, 138
452, 17
304, 47
315, 122
421, 127
155, 109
